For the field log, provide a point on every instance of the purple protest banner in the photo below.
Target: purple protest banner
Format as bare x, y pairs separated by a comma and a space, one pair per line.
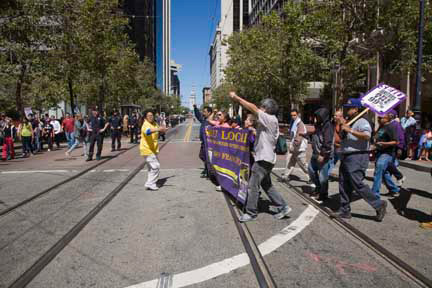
229, 157
382, 98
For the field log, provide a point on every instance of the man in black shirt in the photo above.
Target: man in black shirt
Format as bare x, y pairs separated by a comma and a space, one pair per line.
116, 127
134, 127
97, 126
386, 143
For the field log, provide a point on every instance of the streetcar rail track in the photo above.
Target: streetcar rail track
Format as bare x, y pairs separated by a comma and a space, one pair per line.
29, 274
378, 249
259, 266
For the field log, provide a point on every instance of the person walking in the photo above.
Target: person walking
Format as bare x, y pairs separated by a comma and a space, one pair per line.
354, 162
337, 123
400, 136
133, 126
25, 132
96, 128
202, 118
297, 146
9, 134
48, 134
265, 158
37, 131
69, 129
385, 145
79, 134
57, 130
125, 125
115, 123
322, 154
149, 149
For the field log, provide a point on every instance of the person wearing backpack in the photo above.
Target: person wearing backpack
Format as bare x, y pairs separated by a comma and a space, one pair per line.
322, 154
265, 159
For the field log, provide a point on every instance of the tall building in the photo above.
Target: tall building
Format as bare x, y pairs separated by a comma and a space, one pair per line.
192, 98
141, 26
207, 95
261, 8
234, 17
163, 45
175, 81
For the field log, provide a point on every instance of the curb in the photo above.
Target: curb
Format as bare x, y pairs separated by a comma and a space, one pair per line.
415, 166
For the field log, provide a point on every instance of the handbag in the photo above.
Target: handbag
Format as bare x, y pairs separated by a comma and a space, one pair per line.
281, 145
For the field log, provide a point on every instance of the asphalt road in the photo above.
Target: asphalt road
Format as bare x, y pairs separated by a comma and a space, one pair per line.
184, 232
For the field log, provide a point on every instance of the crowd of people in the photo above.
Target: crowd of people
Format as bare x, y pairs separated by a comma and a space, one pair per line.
45, 133
346, 138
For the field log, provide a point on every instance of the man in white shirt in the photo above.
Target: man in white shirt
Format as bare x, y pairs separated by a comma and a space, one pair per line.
57, 130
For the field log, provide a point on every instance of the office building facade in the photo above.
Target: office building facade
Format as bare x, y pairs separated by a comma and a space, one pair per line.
207, 95
259, 8
175, 81
163, 45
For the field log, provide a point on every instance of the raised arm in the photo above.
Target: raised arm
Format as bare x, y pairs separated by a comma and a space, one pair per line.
249, 106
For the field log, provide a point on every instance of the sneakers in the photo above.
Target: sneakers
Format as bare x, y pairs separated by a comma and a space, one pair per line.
320, 198
311, 184
426, 225
113, 150
152, 188
67, 154
341, 214
381, 211
218, 188
89, 159
247, 218
400, 181
98, 157
283, 212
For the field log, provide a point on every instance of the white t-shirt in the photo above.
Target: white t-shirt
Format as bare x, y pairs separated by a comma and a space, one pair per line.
267, 134
56, 125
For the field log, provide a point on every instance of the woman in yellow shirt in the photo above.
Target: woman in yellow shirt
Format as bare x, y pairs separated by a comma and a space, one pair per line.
25, 133
149, 148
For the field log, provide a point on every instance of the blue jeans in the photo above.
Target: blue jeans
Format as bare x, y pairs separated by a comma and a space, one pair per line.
70, 138
381, 172
333, 162
320, 175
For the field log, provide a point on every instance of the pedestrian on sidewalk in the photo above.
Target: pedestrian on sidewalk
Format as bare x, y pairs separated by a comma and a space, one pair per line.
125, 125
265, 158
322, 154
48, 134
354, 163
25, 132
149, 149
134, 128
37, 129
57, 130
202, 118
69, 129
96, 128
9, 134
79, 134
385, 146
2, 127
409, 124
297, 146
115, 123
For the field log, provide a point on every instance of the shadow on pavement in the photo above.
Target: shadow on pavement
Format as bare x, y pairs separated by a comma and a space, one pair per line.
161, 182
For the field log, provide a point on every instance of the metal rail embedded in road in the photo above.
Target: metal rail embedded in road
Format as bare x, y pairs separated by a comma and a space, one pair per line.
395, 261
49, 255
260, 268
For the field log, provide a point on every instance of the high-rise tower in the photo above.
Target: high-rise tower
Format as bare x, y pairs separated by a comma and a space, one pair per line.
163, 45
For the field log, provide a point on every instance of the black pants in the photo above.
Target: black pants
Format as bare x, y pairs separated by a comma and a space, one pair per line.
57, 139
134, 133
26, 144
98, 139
115, 135
48, 141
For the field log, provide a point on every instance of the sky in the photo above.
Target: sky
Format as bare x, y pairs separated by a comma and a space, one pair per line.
193, 23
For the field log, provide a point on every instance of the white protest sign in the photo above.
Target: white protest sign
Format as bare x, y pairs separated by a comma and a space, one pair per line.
383, 98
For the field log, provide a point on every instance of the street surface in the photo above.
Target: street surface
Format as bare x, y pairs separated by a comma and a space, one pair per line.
184, 235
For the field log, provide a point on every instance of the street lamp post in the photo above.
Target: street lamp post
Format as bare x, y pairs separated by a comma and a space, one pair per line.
417, 104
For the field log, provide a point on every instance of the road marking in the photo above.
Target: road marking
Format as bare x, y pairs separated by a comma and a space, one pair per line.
188, 133
35, 171
228, 265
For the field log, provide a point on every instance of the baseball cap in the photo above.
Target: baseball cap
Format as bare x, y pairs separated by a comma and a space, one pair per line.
353, 102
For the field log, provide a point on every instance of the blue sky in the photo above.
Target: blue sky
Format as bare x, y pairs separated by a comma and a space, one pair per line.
193, 23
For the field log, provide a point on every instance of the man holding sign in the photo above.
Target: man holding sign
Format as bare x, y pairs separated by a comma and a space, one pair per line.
354, 162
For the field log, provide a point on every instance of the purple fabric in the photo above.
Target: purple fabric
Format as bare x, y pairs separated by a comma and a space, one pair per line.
228, 154
400, 134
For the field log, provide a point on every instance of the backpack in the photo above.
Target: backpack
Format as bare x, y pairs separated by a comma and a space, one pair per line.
281, 145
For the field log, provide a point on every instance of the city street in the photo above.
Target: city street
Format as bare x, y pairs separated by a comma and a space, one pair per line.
104, 229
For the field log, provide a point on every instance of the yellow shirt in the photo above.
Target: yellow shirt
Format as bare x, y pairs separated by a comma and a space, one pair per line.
26, 130
149, 141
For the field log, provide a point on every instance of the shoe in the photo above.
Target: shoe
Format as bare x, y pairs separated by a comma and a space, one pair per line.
89, 159
381, 211
49, 150
98, 158
426, 225
341, 214
283, 212
311, 184
112, 150
218, 188
400, 181
247, 218
152, 188
320, 198
67, 154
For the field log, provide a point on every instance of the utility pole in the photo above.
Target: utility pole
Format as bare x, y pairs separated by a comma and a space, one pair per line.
417, 104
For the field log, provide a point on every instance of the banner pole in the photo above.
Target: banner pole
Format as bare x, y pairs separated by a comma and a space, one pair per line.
358, 116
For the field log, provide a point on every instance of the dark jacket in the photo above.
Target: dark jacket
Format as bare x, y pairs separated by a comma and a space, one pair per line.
203, 122
322, 139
